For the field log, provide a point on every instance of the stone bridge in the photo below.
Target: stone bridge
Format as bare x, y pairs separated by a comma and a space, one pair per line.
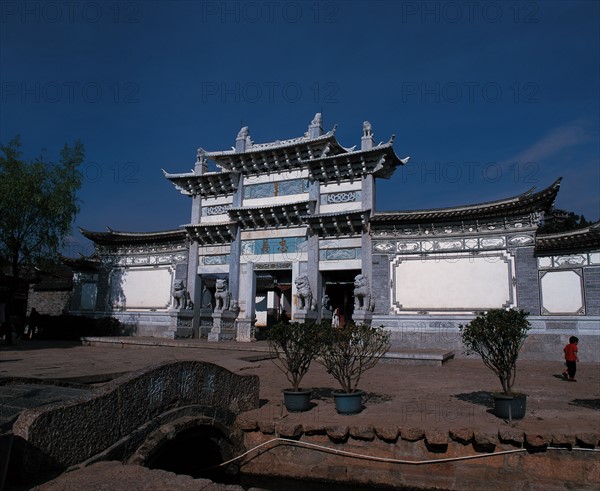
132, 417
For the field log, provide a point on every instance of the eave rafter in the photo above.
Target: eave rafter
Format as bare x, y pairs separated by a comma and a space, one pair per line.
379, 161
339, 224
274, 216
213, 233
211, 184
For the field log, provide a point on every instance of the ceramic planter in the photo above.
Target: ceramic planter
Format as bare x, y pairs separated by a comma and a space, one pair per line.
510, 407
348, 403
297, 401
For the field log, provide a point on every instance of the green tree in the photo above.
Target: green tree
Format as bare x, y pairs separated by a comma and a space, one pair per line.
497, 336
38, 203
557, 220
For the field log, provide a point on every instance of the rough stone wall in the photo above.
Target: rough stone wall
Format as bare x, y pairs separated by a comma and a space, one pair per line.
528, 289
63, 434
380, 283
48, 302
591, 285
530, 465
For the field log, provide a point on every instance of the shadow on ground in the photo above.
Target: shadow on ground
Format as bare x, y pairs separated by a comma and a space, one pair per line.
480, 397
589, 403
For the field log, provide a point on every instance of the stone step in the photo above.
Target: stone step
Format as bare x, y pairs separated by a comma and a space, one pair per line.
398, 355
419, 356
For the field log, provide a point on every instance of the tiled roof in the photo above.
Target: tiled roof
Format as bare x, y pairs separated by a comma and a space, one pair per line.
523, 204
115, 237
584, 239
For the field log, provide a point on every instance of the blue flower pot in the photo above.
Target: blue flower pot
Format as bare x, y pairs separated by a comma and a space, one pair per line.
510, 407
296, 402
348, 403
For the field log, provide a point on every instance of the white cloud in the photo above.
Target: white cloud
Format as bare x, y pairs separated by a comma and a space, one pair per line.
552, 143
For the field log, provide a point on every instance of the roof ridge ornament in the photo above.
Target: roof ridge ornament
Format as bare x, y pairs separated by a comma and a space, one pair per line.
368, 139
243, 142
315, 128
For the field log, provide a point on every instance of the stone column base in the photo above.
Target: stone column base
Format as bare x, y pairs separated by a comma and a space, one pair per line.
362, 317
304, 316
181, 323
245, 330
223, 325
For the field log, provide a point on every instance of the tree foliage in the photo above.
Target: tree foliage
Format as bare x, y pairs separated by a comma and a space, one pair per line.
350, 351
295, 346
557, 220
38, 203
497, 336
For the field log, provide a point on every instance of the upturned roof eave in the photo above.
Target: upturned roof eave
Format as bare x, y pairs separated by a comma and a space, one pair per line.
523, 203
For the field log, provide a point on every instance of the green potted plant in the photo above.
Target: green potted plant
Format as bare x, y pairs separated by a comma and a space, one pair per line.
347, 353
497, 336
294, 346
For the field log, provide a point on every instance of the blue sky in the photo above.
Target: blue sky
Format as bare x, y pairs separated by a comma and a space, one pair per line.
488, 98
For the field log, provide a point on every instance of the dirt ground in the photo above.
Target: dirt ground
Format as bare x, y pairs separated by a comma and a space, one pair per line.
454, 396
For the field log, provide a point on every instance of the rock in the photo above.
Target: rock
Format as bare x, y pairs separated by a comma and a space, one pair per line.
436, 438
267, 427
246, 424
288, 430
362, 432
337, 432
485, 442
514, 437
314, 429
587, 440
563, 440
537, 440
387, 433
412, 434
462, 435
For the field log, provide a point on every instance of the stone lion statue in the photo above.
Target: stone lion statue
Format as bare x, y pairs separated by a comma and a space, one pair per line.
305, 297
222, 295
180, 295
362, 296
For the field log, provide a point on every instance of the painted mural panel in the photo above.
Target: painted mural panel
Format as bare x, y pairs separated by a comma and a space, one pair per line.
562, 292
452, 283
141, 288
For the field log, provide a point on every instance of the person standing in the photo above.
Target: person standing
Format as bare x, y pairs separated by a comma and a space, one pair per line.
571, 359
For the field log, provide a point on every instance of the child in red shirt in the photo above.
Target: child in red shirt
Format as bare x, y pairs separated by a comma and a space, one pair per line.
571, 359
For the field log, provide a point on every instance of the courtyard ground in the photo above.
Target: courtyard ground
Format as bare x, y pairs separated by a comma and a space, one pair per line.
448, 397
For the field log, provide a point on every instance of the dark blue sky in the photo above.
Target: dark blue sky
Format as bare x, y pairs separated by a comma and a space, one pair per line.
488, 98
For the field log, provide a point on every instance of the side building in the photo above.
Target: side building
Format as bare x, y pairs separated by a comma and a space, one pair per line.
289, 230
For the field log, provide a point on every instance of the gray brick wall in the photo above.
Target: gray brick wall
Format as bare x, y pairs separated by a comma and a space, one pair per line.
49, 302
528, 288
380, 283
591, 284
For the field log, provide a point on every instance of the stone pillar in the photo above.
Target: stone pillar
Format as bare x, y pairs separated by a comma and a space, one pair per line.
234, 266
223, 325
314, 277
194, 286
245, 324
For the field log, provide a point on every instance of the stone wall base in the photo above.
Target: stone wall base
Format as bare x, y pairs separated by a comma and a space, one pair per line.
526, 462
546, 340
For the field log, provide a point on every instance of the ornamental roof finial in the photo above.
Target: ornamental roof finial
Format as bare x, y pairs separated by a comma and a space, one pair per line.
315, 128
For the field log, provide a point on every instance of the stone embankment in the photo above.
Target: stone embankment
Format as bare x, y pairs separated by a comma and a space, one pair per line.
412, 457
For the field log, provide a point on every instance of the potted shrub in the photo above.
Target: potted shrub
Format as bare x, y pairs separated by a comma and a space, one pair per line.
346, 354
497, 336
294, 346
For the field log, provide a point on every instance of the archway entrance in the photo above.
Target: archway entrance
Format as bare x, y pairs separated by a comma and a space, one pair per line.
273, 298
339, 286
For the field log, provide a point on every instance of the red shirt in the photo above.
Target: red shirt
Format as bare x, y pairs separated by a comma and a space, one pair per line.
571, 352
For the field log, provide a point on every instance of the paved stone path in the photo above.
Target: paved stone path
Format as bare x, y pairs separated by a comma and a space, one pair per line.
449, 397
